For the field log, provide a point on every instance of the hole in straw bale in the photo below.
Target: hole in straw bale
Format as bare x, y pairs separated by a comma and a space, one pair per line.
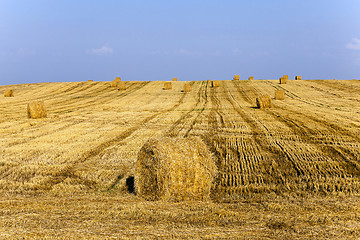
175, 169
130, 183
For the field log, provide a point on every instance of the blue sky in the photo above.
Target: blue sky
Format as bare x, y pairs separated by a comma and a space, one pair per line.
64, 40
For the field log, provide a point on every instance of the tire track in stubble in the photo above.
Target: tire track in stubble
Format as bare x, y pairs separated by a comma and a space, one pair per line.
306, 134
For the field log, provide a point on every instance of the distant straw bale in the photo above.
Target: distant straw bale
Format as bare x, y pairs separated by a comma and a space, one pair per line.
175, 170
280, 94
36, 110
8, 93
187, 87
215, 83
174, 79
251, 78
236, 77
297, 77
263, 102
283, 80
122, 86
167, 85
90, 80
115, 82
286, 76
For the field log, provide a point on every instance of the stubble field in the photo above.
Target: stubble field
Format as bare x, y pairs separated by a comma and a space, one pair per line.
288, 172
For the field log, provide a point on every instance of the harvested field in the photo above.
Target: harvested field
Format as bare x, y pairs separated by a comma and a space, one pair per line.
287, 172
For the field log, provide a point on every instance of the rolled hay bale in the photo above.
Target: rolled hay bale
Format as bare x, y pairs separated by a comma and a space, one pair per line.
236, 77
280, 94
36, 110
174, 79
8, 93
187, 87
215, 83
122, 86
251, 78
90, 80
297, 77
263, 102
175, 169
286, 76
167, 86
115, 82
283, 80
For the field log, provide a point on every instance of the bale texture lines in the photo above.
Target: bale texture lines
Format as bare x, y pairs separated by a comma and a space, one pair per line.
175, 169
36, 110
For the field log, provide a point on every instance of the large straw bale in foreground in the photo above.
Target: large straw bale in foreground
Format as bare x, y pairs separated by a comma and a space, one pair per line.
174, 170
297, 77
187, 87
9, 93
36, 110
167, 85
215, 83
280, 94
236, 77
263, 101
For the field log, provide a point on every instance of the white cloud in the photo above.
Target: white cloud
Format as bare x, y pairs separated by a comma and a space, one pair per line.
104, 50
355, 44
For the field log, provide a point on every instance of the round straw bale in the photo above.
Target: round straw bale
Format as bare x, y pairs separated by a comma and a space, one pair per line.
175, 169
251, 78
36, 110
187, 87
263, 101
115, 82
215, 83
280, 94
90, 80
167, 85
174, 79
297, 77
8, 93
122, 86
236, 77
283, 80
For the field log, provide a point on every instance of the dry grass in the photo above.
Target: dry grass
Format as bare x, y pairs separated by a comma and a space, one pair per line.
280, 94
288, 172
175, 169
236, 77
263, 102
9, 93
36, 110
